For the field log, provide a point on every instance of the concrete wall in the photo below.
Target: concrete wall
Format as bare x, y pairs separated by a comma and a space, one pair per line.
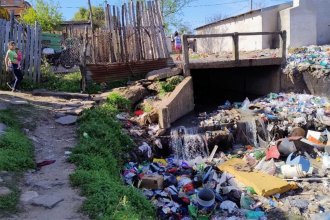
178, 104
307, 23
270, 23
246, 23
256, 21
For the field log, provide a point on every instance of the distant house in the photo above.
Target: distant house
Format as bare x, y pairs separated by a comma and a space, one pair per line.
306, 22
74, 25
18, 6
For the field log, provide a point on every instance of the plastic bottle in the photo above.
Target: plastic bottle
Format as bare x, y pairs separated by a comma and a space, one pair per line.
254, 214
246, 201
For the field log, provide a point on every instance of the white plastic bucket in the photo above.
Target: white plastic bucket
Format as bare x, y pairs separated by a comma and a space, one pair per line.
326, 162
292, 171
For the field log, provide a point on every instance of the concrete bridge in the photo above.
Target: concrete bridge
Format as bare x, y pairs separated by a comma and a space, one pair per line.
209, 82
188, 65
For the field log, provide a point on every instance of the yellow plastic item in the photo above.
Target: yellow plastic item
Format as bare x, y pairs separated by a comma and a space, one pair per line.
161, 161
264, 184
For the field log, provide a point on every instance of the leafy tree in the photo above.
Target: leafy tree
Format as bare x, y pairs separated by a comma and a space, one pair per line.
45, 13
171, 9
84, 15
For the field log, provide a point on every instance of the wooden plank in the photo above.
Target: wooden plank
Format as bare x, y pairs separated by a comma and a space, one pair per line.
138, 31
27, 51
2, 30
39, 56
157, 33
30, 73
117, 46
19, 36
162, 30
112, 49
7, 33
35, 52
152, 32
137, 52
151, 54
123, 15
120, 35
142, 32
132, 33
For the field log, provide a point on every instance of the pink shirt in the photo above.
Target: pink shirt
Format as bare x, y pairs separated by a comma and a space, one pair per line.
19, 56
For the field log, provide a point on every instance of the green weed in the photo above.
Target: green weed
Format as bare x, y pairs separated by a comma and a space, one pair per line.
16, 155
16, 150
99, 157
169, 85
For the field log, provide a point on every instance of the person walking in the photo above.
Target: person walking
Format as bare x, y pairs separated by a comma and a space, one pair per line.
178, 45
12, 65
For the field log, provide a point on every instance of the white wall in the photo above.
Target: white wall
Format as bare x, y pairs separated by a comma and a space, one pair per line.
270, 23
307, 23
246, 23
265, 20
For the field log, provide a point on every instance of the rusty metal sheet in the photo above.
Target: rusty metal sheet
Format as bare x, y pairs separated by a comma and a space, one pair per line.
120, 71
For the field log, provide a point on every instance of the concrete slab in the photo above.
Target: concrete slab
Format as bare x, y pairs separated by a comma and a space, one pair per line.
67, 120
47, 201
28, 196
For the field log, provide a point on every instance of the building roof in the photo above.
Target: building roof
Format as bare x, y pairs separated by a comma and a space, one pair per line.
65, 23
242, 15
18, 6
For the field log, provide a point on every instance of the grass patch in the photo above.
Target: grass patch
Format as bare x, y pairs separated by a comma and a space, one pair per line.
69, 82
16, 156
99, 157
16, 150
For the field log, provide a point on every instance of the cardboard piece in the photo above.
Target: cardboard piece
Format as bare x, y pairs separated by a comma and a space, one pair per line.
263, 184
151, 182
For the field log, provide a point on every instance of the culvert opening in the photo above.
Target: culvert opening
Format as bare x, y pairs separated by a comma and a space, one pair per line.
213, 87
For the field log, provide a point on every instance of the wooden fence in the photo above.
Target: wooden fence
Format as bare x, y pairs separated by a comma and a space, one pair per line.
28, 40
132, 32
137, 31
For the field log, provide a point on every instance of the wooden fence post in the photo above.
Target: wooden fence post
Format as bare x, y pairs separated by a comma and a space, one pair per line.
12, 22
236, 46
82, 65
185, 48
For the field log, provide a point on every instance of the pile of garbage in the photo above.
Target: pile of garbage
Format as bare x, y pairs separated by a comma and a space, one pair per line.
314, 59
278, 167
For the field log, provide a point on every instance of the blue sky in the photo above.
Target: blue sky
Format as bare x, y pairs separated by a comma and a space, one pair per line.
196, 14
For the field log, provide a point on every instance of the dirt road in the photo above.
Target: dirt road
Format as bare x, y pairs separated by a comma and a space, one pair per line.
46, 193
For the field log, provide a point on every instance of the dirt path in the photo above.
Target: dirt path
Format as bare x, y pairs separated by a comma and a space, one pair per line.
46, 194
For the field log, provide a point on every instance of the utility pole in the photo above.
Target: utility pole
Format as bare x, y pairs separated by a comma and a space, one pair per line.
92, 26
251, 4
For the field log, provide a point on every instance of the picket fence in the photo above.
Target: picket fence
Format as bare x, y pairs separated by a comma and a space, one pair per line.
28, 40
